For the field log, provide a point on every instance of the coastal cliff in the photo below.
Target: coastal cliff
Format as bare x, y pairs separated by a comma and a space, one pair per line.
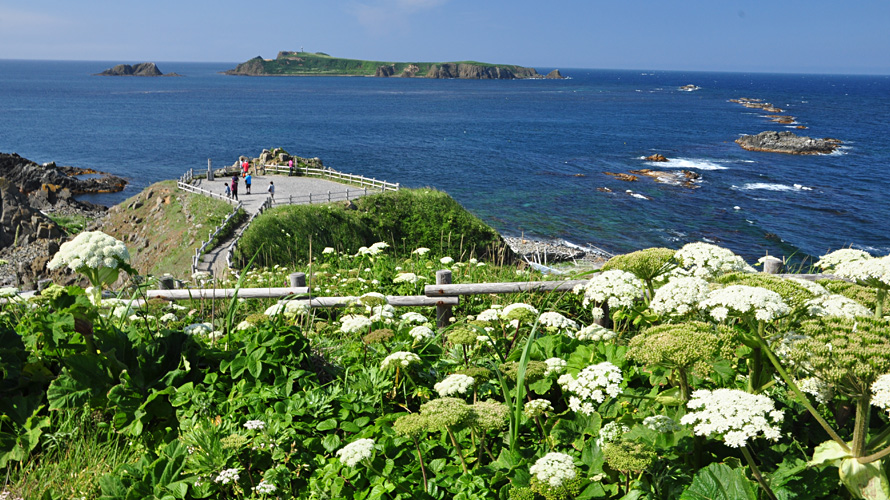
321, 64
142, 69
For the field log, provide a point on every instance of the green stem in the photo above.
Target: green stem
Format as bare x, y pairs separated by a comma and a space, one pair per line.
460, 451
422, 467
684, 385
879, 438
756, 472
755, 367
800, 395
875, 456
879, 305
860, 429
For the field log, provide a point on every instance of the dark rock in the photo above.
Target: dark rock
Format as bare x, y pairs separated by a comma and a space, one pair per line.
19, 223
787, 142
554, 75
142, 69
623, 177
655, 157
479, 72
30, 177
385, 71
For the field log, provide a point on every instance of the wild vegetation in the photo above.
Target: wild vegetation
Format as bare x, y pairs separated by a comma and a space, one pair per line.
699, 388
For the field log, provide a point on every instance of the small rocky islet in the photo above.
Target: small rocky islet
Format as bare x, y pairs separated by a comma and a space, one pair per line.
141, 69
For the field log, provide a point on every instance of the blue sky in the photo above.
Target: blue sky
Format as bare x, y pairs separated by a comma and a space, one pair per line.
792, 36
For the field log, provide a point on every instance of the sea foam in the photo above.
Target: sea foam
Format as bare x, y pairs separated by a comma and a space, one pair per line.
766, 186
688, 163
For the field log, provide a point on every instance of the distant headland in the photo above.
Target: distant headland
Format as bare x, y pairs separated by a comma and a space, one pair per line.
142, 69
321, 64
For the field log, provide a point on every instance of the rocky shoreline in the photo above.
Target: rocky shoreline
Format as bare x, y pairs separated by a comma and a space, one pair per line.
788, 143
545, 252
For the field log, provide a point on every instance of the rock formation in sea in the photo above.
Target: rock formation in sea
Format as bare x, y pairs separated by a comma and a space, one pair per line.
554, 75
142, 69
478, 72
656, 157
757, 104
787, 142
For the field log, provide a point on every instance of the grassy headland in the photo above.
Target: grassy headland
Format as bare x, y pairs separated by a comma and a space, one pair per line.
321, 64
404, 219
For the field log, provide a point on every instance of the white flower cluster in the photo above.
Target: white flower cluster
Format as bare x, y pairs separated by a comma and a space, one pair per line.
446, 260
880, 390
354, 323
384, 313
353, 453
821, 390
289, 308
557, 321
202, 276
328, 250
870, 272
554, 469
264, 488
616, 288
831, 260
705, 260
198, 329
92, 249
456, 383
765, 304
421, 250
166, 318
594, 333
812, 286
375, 249
421, 333
489, 315
592, 384
554, 365
680, 295
734, 414
413, 317
836, 305
661, 423
407, 278
515, 311
611, 432
8, 291
399, 358
227, 476
255, 425
536, 408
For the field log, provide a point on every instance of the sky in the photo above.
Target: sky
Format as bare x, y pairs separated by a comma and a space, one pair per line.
783, 36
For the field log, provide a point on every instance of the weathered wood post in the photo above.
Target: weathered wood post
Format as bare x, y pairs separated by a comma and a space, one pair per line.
443, 313
329, 196
772, 265
297, 280
166, 282
209, 170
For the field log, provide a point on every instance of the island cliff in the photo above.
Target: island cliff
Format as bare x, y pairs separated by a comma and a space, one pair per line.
142, 69
321, 64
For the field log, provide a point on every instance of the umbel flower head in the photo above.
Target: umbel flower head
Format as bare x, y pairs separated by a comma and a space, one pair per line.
353, 453
443, 413
680, 296
647, 265
536, 408
591, 385
836, 305
455, 383
762, 304
94, 254
628, 456
556, 322
399, 359
616, 288
554, 469
594, 333
489, 415
831, 260
705, 260
873, 273
735, 415
689, 346
848, 354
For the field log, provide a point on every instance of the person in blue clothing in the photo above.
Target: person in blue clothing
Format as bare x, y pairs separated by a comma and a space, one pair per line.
247, 180
271, 189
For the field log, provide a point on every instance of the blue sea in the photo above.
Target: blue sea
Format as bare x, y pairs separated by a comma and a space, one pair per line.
526, 156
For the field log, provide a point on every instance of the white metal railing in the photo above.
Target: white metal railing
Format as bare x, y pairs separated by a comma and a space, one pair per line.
213, 234
230, 252
329, 173
196, 190
331, 196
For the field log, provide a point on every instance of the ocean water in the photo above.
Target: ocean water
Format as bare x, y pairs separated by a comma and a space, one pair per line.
526, 156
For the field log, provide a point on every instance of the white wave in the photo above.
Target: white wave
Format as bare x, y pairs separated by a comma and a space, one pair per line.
767, 186
688, 163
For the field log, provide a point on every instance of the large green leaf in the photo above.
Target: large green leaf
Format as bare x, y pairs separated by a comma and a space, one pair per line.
720, 482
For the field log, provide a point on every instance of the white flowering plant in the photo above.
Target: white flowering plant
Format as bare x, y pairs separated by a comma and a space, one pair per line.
96, 255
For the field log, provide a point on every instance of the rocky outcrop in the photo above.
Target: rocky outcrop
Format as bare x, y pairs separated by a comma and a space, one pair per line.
252, 67
689, 88
787, 142
554, 75
623, 177
19, 222
29, 177
143, 69
684, 178
757, 104
478, 72
656, 157
385, 71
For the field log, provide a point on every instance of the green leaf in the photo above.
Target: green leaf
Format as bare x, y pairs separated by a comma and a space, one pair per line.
829, 452
868, 481
720, 482
331, 443
326, 425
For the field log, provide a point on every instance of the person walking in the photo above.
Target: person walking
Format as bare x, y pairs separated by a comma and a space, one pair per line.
247, 180
235, 187
228, 190
245, 167
290, 167
271, 190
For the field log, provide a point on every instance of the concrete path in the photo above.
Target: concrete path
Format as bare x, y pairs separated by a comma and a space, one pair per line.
298, 187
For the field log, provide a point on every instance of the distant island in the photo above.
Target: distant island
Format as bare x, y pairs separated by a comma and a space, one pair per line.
321, 64
142, 69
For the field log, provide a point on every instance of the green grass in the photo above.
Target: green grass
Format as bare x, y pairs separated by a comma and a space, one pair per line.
309, 63
71, 224
405, 219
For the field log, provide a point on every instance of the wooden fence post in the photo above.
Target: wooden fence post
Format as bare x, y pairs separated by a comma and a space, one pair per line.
297, 280
443, 313
166, 283
772, 265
